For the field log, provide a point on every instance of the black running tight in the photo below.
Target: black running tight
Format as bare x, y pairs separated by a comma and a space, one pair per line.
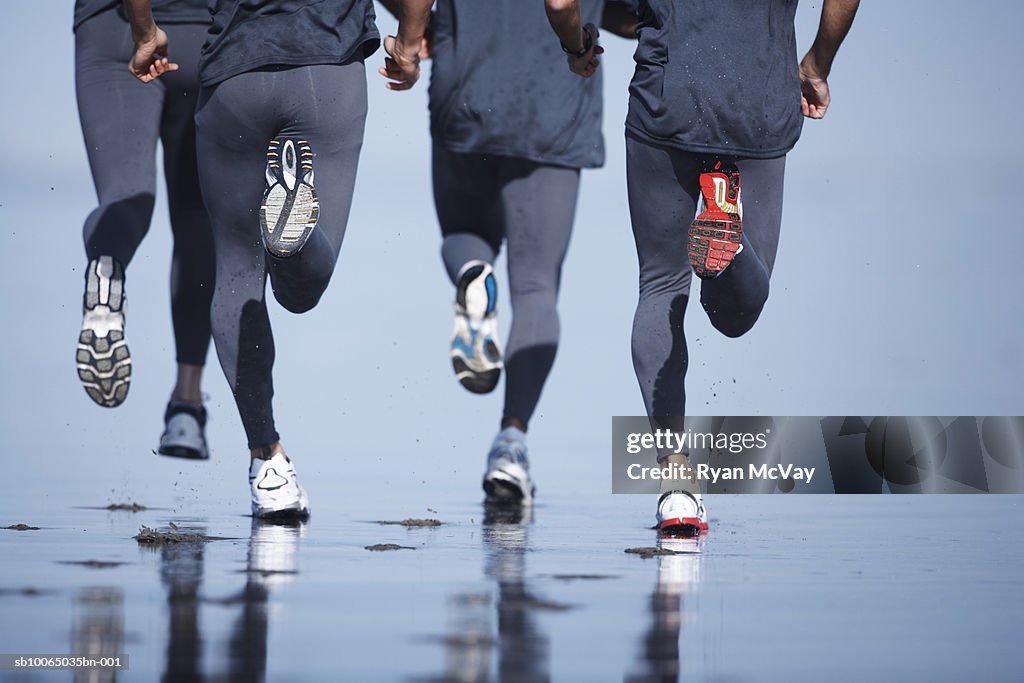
236, 120
663, 196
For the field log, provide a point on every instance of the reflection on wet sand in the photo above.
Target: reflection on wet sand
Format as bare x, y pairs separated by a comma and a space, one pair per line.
678, 575
271, 561
522, 648
98, 631
181, 572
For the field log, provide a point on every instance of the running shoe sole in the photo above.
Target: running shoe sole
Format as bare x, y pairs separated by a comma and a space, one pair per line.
479, 375
184, 452
715, 235
102, 357
296, 513
291, 207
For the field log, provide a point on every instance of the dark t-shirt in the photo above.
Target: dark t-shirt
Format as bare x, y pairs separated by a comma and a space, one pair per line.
500, 85
251, 34
717, 76
164, 11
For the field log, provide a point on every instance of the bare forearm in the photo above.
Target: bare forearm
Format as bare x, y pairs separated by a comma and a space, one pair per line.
413, 18
836, 19
618, 19
564, 17
140, 16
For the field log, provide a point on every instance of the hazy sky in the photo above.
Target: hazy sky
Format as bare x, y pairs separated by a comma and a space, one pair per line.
896, 289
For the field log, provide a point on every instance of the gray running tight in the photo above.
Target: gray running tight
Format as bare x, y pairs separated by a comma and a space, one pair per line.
663, 196
484, 200
122, 120
236, 119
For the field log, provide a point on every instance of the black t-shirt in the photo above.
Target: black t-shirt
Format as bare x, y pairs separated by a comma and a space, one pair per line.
717, 76
500, 85
164, 11
251, 34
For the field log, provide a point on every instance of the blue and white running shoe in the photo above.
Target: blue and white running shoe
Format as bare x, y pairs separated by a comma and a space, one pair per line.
507, 480
476, 355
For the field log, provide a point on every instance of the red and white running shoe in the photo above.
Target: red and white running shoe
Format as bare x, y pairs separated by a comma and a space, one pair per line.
714, 236
682, 514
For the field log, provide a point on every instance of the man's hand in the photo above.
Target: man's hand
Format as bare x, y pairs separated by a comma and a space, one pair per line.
150, 61
564, 17
587, 64
836, 19
815, 97
402, 65
395, 8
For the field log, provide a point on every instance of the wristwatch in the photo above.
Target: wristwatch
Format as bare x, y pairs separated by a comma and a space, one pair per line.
588, 43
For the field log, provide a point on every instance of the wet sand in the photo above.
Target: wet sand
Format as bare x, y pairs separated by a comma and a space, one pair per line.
782, 588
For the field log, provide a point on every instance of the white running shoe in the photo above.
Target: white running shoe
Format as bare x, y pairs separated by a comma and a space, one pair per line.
291, 207
275, 489
476, 355
682, 513
104, 364
507, 480
183, 435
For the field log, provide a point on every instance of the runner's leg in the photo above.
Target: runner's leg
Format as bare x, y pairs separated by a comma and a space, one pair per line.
663, 189
120, 120
468, 201
539, 207
733, 301
466, 197
325, 105
192, 264
327, 108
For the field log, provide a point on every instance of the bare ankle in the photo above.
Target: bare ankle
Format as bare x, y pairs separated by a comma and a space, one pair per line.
513, 422
187, 388
267, 452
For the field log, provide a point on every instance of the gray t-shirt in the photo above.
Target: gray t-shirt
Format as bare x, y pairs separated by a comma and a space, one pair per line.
717, 76
251, 34
499, 85
164, 11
